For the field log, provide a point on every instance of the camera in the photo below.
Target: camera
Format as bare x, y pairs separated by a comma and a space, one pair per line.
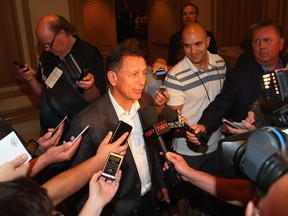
261, 155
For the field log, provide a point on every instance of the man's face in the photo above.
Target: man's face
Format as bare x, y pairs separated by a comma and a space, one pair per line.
189, 15
266, 45
55, 43
130, 80
195, 45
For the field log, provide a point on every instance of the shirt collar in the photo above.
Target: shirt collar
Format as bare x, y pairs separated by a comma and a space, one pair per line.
120, 111
265, 69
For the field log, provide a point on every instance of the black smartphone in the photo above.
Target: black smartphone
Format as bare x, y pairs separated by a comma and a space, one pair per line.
56, 128
80, 134
201, 136
20, 65
160, 71
121, 128
83, 74
231, 124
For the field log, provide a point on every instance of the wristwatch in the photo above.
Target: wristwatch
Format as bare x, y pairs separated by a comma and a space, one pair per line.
33, 148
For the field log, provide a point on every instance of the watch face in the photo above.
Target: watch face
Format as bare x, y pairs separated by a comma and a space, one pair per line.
32, 146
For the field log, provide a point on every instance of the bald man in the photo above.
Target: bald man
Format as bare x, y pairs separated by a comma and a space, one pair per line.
60, 83
192, 84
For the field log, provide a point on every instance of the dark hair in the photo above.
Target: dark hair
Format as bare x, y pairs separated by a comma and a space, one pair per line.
24, 197
190, 4
61, 23
129, 47
265, 23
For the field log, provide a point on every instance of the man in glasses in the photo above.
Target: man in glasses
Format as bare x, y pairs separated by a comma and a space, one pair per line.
70, 73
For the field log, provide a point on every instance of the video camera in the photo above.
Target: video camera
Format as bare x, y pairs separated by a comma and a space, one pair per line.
261, 156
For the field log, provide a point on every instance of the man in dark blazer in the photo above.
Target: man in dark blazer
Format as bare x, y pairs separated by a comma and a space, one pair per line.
126, 73
242, 85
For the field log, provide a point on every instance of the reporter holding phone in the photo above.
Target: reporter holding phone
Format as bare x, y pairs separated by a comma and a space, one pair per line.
64, 58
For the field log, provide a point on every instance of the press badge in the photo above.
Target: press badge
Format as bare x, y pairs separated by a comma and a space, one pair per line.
53, 78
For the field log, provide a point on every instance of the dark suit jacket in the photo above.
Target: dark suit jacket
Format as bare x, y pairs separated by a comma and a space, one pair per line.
175, 47
240, 90
102, 118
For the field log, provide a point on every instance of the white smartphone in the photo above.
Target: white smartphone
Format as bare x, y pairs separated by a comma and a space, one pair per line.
80, 134
235, 125
55, 129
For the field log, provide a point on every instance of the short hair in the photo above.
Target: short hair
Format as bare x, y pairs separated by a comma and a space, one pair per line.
265, 23
61, 23
129, 47
190, 4
24, 197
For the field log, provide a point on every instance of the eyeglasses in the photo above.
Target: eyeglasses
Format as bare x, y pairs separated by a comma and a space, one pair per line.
52, 42
49, 45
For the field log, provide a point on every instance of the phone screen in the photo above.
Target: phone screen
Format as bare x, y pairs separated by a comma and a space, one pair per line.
121, 128
53, 132
80, 134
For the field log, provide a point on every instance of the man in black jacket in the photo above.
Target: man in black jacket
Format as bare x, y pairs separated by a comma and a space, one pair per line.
242, 85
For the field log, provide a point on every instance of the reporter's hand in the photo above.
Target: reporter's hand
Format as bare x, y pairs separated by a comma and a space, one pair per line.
26, 73
87, 82
247, 125
159, 63
14, 169
105, 147
47, 141
192, 137
101, 192
179, 164
61, 153
161, 99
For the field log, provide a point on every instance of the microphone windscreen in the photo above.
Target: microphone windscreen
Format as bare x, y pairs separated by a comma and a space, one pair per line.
169, 114
149, 116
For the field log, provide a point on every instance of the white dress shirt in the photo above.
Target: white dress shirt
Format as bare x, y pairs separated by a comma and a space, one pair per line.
136, 141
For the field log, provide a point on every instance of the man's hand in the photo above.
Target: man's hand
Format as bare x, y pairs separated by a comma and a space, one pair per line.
179, 164
62, 152
160, 63
105, 147
47, 141
87, 82
192, 137
26, 73
14, 169
101, 192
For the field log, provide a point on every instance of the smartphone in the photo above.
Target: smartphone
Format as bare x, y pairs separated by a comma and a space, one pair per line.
121, 128
83, 74
55, 129
162, 89
160, 71
201, 136
80, 134
232, 124
18, 64
112, 165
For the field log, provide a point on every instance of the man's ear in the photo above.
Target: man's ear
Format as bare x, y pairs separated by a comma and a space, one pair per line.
112, 77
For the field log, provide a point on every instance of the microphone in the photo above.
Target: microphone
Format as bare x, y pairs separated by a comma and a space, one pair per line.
172, 116
154, 131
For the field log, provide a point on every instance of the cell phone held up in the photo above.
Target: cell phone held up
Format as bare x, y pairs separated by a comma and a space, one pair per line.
121, 128
83, 74
160, 71
235, 125
20, 65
